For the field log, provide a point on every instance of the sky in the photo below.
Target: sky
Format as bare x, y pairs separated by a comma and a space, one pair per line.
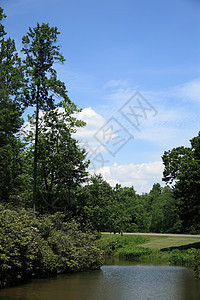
133, 66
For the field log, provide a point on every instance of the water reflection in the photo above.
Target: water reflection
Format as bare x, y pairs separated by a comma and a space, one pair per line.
113, 282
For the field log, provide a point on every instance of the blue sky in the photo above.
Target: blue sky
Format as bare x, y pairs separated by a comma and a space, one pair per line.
113, 50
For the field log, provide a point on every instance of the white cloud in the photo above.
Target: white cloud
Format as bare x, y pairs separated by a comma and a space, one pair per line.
94, 122
117, 84
91, 117
140, 176
189, 90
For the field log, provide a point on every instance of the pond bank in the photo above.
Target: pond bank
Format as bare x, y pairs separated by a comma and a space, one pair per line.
181, 251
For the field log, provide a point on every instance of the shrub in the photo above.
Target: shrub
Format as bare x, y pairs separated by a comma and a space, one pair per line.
183, 257
33, 246
133, 253
113, 244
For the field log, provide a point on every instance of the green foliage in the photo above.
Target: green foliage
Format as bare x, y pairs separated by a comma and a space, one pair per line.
196, 265
11, 85
134, 253
159, 206
182, 169
121, 210
110, 245
52, 166
41, 53
61, 164
36, 247
2, 16
92, 201
129, 248
183, 257
43, 89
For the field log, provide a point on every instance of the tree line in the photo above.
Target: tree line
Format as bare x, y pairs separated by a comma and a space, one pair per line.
43, 167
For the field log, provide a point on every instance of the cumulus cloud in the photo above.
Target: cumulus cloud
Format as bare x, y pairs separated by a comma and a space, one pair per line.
86, 134
140, 176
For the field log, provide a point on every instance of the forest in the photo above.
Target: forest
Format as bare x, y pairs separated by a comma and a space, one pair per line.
50, 207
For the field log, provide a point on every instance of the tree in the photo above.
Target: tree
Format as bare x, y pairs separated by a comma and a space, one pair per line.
160, 205
11, 91
182, 170
42, 86
61, 162
122, 214
171, 222
92, 202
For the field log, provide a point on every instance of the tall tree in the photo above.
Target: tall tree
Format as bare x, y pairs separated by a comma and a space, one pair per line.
11, 86
43, 86
182, 170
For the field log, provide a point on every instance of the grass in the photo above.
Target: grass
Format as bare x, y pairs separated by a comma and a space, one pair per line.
163, 243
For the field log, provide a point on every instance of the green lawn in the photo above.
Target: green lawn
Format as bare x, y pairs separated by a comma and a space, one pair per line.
160, 242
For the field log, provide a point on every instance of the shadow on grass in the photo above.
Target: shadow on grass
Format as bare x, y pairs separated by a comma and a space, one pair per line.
183, 247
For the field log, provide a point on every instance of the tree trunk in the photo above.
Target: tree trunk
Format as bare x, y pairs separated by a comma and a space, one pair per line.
35, 151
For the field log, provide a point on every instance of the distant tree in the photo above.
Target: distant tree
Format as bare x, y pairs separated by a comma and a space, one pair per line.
92, 202
123, 212
163, 213
142, 212
43, 88
182, 170
171, 222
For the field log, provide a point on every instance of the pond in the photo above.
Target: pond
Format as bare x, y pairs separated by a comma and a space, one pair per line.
123, 281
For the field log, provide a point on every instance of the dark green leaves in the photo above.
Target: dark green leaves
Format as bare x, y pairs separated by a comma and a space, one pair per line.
182, 168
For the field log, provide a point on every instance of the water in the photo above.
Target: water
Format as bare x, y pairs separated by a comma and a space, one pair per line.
113, 282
